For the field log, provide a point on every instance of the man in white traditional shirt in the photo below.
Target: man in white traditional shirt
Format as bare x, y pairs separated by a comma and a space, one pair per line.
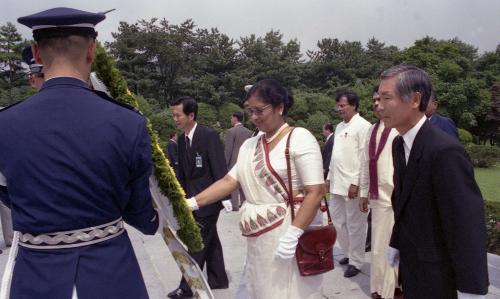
343, 182
376, 185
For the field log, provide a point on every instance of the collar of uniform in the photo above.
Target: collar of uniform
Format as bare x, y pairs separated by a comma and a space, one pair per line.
65, 81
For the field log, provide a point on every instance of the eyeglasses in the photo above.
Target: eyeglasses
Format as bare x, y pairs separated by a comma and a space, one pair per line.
257, 111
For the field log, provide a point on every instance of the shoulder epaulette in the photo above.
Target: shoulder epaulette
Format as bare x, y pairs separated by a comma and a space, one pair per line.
110, 99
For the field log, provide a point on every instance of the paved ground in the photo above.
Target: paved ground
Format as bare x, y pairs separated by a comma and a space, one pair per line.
161, 273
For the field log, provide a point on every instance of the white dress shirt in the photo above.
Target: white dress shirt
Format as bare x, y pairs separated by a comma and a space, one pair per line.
409, 137
350, 142
191, 133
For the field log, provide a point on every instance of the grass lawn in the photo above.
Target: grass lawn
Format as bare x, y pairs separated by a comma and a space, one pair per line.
488, 180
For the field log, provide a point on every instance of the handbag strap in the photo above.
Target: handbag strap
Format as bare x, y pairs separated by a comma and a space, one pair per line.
289, 174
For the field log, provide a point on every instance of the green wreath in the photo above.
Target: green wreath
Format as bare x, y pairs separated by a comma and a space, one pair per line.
188, 232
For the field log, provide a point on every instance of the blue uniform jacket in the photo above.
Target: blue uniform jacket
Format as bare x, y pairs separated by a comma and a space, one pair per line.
446, 124
72, 160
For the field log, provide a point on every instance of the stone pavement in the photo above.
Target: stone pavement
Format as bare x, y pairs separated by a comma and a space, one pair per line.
162, 275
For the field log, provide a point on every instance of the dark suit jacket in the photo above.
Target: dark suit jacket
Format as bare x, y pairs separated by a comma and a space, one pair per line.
439, 219
446, 124
234, 139
207, 145
173, 155
327, 155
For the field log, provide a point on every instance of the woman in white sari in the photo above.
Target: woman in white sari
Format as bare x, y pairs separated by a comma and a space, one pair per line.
271, 270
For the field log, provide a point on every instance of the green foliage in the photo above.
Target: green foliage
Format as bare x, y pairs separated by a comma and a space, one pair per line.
315, 124
188, 232
483, 156
163, 124
207, 115
492, 213
14, 85
299, 109
225, 113
464, 136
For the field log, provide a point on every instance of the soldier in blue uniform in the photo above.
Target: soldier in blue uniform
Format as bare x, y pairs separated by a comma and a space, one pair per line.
75, 166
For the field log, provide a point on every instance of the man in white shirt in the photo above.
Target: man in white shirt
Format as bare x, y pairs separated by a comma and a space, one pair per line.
344, 172
439, 235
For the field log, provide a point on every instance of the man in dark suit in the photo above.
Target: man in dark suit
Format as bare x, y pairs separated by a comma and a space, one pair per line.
201, 163
444, 123
326, 153
439, 233
172, 152
234, 139
76, 166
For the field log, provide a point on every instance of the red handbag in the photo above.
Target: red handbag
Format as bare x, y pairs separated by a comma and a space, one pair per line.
314, 253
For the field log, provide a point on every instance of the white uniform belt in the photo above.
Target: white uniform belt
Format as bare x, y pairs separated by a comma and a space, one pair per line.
74, 238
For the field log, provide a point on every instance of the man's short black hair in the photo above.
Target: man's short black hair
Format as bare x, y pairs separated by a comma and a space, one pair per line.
328, 126
238, 115
171, 134
189, 105
352, 98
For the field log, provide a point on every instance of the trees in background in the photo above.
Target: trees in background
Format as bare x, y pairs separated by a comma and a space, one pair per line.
13, 83
161, 61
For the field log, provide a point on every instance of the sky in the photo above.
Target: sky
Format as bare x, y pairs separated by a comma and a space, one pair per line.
394, 22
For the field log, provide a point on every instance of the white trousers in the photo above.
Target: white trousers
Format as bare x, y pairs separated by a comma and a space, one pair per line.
351, 225
383, 278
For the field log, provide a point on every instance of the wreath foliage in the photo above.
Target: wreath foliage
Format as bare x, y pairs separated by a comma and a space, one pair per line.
188, 232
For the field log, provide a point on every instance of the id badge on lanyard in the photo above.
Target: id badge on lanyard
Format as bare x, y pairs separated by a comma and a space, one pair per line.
198, 161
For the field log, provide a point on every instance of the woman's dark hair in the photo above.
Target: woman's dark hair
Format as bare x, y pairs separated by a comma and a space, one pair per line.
189, 105
271, 92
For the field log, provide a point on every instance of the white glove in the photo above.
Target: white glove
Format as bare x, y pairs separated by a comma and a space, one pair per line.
192, 204
392, 255
227, 205
288, 243
461, 295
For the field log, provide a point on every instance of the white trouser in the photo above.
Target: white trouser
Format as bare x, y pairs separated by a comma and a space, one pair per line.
383, 278
351, 225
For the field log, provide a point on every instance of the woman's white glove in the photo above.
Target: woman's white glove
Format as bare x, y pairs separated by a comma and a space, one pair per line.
288, 243
228, 206
192, 204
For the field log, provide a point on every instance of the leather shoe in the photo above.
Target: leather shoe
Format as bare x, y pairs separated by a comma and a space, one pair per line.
351, 271
344, 261
179, 294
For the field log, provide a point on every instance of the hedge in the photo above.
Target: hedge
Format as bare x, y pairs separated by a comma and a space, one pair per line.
483, 156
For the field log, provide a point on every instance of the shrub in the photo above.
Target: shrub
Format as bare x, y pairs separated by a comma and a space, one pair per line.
225, 112
464, 136
492, 214
207, 115
483, 156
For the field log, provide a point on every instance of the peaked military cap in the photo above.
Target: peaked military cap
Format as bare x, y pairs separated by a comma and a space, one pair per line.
62, 22
28, 58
